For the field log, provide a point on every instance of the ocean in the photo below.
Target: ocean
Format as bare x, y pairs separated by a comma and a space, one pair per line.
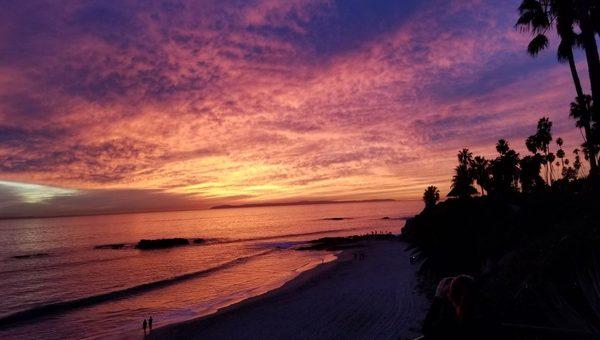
60, 279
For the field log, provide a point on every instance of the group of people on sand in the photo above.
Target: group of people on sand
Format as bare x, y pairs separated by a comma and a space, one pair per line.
147, 324
359, 256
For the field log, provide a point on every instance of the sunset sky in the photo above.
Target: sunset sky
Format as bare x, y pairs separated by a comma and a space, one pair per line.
147, 105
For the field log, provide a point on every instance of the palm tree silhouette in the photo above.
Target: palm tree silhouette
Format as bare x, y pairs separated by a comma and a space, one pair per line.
431, 196
502, 146
540, 141
560, 153
586, 11
539, 16
586, 15
481, 172
465, 157
462, 182
505, 169
577, 163
581, 111
529, 175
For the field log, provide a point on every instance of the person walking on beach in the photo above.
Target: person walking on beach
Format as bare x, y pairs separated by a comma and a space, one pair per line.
150, 324
144, 325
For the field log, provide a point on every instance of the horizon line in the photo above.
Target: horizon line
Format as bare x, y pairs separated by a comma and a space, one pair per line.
217, 207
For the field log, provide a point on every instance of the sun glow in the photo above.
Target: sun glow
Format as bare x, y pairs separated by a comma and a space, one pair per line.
208, 110
235, 179
35, 193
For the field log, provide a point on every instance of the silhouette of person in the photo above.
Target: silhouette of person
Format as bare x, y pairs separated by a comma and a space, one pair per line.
453, 313
144, 325
150, 324
440, 320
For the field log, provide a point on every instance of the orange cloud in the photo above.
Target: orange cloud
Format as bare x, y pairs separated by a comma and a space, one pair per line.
269, 101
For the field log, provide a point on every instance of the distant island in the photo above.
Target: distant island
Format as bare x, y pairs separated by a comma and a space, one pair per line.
283, 204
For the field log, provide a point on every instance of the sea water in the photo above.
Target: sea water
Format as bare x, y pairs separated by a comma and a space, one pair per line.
59, 280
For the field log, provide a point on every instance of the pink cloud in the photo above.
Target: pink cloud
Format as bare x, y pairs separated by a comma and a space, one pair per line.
218, 101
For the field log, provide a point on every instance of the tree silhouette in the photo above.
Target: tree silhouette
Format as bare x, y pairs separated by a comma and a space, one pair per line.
540, 141
540, 16
550, 165
529, 175
560, 153
431, 196
581, 111
481, 173
577, 162
569, 174
462, 182
585, 10
505, 169
502, 147
525, 220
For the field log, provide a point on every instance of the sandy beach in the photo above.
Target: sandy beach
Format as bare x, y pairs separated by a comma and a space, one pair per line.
347, 298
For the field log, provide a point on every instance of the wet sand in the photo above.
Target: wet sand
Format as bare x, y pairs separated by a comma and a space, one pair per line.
360, 299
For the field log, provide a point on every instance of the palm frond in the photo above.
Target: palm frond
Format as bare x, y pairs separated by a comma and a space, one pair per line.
564, 51
524, 21
537, 44
529, 5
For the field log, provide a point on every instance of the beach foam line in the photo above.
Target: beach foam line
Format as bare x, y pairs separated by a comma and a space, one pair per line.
64, 306
274, 237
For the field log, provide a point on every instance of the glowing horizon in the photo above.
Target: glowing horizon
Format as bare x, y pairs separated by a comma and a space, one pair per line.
146, 104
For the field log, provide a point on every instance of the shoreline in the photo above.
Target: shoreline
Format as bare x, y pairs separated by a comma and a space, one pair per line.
312, 287
286, 287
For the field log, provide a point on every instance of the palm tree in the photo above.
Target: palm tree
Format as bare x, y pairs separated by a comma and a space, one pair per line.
581, 111
502, 147
559, 142
540, 141
539, 16
431, 196
505, 169
586, 11
529, 175
462, 182
577, 162
560, 153
565, 22
465, 157
550, 164
481, 172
